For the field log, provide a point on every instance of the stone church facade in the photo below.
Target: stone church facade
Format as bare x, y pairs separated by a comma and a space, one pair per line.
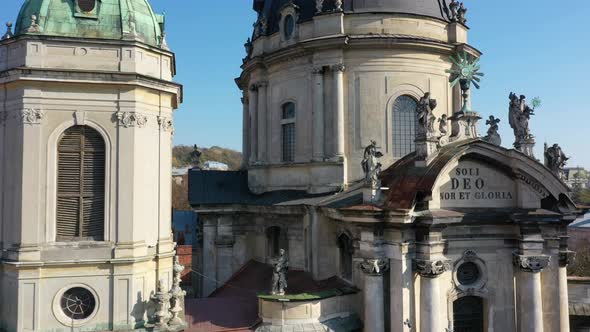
460, 236
86, 103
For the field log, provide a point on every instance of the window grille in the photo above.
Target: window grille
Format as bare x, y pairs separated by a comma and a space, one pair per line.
288, 132
404, 126
80, 185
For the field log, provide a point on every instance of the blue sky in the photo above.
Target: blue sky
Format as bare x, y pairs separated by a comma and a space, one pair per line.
532, 47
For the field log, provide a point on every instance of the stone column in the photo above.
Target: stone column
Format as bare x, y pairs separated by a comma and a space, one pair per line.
252, 105
529, 295
262, 122
245, 131
430, 306
373, 292
318, 114
565, 258
338, 93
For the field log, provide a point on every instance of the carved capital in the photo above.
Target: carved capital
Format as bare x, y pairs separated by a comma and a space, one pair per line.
339, 67
374, 266
129, 119
262, 84
253, 88
317, 70
32, 116
532, 264
431, 268
166, 124
566, 258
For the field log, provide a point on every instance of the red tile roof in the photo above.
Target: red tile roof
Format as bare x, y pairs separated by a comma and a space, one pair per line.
234, 306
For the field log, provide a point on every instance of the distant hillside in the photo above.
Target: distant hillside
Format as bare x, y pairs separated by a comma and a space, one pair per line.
182, 156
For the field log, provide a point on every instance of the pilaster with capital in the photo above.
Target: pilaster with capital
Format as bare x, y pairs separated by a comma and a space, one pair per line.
252, 108
318, 114
374, 269
245, 130
566, 257
262, 121
528, 288
430, 292
338, 93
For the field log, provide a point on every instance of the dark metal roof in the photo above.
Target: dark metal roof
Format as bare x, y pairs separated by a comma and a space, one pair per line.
271, 8
221, 188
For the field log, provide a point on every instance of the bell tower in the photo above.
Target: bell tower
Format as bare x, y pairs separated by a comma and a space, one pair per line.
85, 163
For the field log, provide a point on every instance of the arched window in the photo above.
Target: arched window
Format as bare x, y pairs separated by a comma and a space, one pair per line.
404, 126
288, 132
80, 185
468, 314
346, 251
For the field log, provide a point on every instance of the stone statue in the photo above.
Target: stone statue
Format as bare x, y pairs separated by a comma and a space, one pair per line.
279, 277
519, 115
443, 130
34, 27
493, 135
161, 298
426, 117
454, 6
371, 165
177, 295
461, 13
319, 6
338, 5
196, 157
442, 125
260, 26
556, 160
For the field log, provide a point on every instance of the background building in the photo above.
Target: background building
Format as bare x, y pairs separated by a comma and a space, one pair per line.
86, 108
577, 178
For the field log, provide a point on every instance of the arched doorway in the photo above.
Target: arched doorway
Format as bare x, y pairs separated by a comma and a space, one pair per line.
468, 315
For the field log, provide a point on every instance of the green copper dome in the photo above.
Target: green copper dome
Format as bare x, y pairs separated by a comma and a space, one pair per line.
102, 19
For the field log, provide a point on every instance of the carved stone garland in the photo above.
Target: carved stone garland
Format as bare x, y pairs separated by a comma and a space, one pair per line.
32, 116
129, 119
166, 124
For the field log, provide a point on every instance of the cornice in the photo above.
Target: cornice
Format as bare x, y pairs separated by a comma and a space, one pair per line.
89, 77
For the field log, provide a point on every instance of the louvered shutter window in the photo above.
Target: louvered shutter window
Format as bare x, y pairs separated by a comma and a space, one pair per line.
81, 185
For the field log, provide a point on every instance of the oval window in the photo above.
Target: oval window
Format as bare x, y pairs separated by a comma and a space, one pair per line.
86, 5
289, 26
468, 274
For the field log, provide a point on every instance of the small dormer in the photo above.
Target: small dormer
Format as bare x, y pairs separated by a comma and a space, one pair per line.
289, 23
86, 8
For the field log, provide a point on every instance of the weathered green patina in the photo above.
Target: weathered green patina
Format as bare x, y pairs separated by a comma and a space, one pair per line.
110, 19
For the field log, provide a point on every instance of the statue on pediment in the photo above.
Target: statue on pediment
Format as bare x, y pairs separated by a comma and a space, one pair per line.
371, 165
555, 160
493, 134
426, 118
